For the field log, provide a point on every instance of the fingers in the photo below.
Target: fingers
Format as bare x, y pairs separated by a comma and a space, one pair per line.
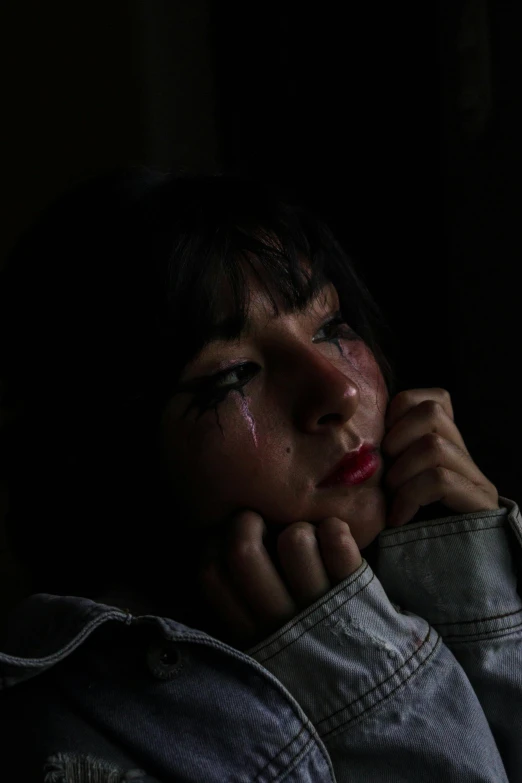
254, 595
340, 553
300, 557
427, 418
438, 485
253, 574
407, 399
228, 608
242, 586
431, 451
315, 559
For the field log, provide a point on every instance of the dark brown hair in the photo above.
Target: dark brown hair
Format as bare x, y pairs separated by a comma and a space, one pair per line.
102, 304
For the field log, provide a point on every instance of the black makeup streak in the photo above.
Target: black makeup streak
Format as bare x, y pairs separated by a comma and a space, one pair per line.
340, 347
217, 418
206, 397
203, 410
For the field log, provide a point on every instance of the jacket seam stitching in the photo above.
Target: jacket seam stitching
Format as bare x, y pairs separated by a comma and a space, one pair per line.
300, 752
441, 535
416, 670
483, 619
319, 621
484, 635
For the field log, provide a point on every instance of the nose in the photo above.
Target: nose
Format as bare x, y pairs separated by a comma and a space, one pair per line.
325, 394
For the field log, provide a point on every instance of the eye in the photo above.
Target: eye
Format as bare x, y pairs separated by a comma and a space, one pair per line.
337, 328
219, 386
209, 392
239, 371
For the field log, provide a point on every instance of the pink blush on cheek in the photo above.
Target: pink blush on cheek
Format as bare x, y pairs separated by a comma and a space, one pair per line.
368, 368
245, 410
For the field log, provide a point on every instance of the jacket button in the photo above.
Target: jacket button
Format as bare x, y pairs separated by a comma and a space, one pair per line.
164, 660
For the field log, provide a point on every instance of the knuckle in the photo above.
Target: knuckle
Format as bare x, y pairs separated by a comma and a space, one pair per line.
244, 521
402, 395
338, 532
243, 545
440, 475
432, 409
246, 527
244, 550
491, 487
435, 442
335, 525
298, 533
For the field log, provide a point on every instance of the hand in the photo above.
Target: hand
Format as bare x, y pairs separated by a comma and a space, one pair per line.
430, 461
251, 595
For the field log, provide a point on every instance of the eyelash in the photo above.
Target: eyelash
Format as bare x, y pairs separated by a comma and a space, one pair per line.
210, 396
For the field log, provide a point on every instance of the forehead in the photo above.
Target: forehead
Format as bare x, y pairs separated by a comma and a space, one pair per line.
257, 295
258, 305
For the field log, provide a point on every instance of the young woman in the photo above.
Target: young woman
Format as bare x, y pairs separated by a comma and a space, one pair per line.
252, 558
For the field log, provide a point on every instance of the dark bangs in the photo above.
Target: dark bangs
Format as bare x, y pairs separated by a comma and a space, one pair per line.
103, 302
226, 225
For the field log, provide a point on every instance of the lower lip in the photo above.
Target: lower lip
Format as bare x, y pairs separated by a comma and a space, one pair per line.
360, 470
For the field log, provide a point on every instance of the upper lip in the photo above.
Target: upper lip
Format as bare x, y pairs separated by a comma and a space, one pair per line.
362, 448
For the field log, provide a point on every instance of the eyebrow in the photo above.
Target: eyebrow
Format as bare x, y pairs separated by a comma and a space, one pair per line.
228, 329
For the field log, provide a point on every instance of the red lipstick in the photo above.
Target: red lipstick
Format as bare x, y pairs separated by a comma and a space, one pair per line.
354, 468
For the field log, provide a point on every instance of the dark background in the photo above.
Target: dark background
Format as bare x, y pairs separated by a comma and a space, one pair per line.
402, 125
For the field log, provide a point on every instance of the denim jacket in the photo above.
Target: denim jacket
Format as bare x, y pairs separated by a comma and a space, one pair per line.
408, 671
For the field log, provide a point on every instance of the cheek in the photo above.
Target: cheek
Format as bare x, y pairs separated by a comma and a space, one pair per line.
211, 472
372, 372
223, 446
244, 410
367, 372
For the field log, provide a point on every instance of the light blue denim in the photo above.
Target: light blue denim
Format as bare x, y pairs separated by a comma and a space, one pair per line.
409, 672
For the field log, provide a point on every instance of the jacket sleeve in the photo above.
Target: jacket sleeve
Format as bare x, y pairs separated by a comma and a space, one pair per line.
460, 573
388, 698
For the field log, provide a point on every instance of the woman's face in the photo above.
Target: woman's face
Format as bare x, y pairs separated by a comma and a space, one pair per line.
307, 401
